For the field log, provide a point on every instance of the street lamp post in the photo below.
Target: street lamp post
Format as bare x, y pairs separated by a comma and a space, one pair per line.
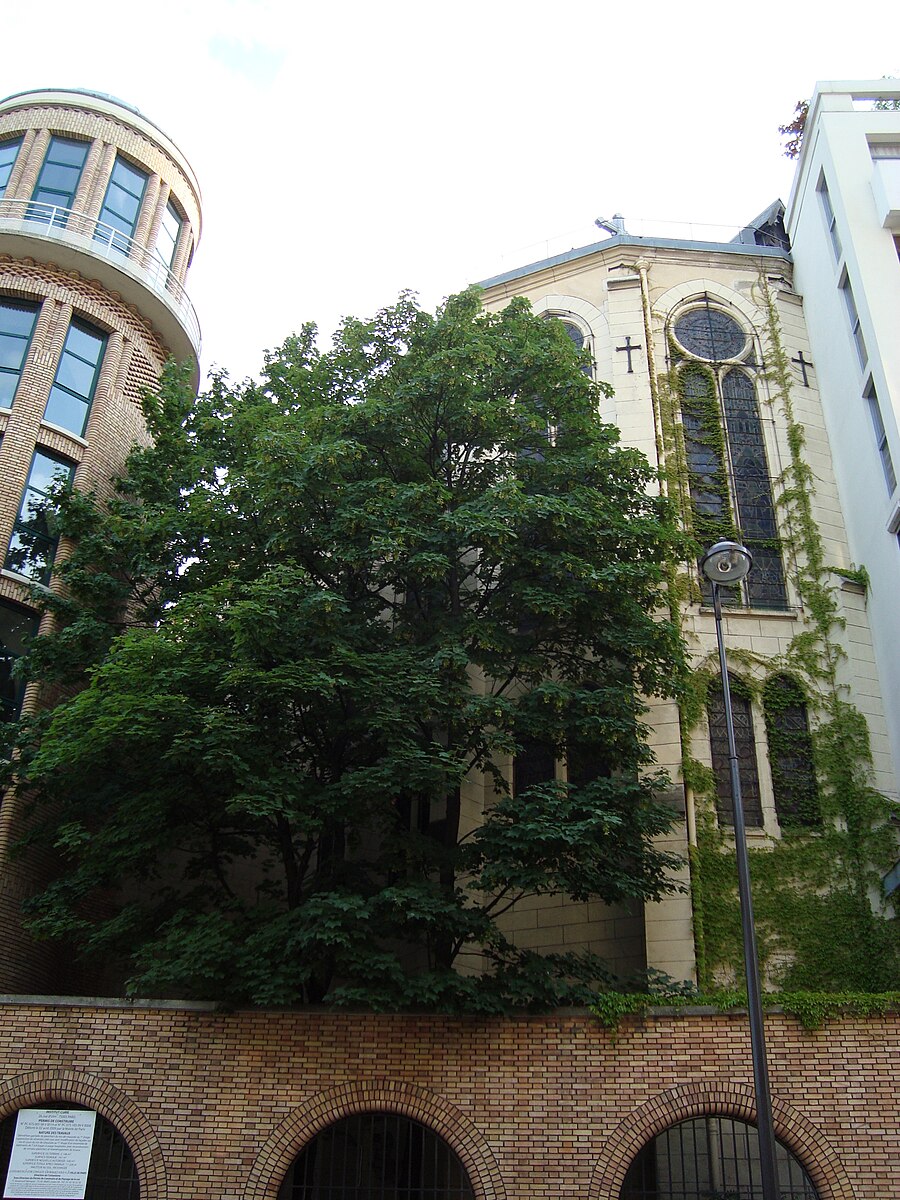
724, 563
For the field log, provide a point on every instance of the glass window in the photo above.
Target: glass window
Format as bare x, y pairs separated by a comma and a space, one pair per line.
830, 222
711, 334
534, 764
58, 180
167, 239
17, 320
33, 543
881, 440
76, 378
16, 626
709, 1158
727, 468
853, 316
745, 744
8, 154
576, 336
754, 504
376, 1156
121, 205
790, 753
111, 1174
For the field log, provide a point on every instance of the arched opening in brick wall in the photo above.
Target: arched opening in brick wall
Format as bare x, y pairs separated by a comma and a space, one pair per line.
711, 1158
441, 1120
376, 1156
804, 1142
61, 1149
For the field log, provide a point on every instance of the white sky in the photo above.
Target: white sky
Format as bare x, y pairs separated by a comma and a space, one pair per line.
351, 150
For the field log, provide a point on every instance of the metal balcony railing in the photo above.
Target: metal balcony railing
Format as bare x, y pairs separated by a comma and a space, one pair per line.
103, 241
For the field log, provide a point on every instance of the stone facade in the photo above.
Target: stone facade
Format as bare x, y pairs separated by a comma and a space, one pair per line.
624, 296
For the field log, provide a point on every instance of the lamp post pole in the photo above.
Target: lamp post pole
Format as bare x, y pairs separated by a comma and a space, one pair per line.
729, 562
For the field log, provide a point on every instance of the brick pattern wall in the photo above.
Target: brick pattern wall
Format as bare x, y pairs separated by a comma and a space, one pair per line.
215, 1106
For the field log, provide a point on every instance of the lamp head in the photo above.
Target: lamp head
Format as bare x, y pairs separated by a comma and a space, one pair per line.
726, 562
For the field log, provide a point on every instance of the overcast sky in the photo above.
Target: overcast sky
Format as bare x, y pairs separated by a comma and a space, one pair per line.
348, 151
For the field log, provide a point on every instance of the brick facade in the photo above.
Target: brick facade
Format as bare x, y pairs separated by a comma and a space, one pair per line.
61, 281
215, 1106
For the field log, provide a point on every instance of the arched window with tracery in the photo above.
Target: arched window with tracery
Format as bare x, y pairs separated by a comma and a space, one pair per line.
576, 334
790, 753
745, 745
711, 1158
96, 1156
376, 1156
728, 473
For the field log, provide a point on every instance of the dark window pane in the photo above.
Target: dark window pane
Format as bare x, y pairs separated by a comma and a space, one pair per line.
535, 763
16, 626
753, 491
790, 753
33, 542
709, 1158
745, 745
376, 1156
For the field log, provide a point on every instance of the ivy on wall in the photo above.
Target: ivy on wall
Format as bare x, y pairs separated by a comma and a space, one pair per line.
822, 920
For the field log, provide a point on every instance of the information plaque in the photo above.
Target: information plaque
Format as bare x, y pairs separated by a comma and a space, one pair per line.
51, 1154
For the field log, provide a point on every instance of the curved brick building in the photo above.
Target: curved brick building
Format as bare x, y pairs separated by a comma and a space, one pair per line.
99, 217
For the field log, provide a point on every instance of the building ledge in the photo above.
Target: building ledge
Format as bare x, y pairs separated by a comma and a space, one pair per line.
72, 241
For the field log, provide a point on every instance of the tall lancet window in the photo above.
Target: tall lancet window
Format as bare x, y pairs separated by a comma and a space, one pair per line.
727, 469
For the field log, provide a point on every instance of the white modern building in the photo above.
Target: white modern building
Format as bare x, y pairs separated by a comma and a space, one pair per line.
843, 219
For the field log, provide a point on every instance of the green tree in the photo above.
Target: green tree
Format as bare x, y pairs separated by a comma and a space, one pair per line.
346, 591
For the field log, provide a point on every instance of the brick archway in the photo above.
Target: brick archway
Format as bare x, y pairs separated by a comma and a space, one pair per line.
37, 1087
734, 1100
375, 1095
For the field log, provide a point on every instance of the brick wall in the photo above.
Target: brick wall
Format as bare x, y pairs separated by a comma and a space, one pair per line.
215, 1106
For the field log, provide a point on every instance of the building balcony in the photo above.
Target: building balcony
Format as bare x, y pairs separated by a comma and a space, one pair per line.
75, 242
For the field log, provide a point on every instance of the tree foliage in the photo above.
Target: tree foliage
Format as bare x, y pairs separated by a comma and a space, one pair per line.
320, 612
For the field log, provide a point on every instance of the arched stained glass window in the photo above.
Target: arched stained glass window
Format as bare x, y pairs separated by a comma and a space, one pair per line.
711, 334
376, 1156
745, 744
727, 470
711, 1158
111, 1173
790, 753
753, 490
575, 334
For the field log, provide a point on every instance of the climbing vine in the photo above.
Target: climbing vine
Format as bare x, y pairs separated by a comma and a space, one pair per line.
822, 921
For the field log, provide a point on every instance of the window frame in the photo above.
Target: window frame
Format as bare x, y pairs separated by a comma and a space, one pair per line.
11, 704
37, 204
14, 143
747, 747
112, 233
80, 326
20, 304
21, 523
795, 788
713, 474
881, 438
853, 317
172, 208
830, 220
